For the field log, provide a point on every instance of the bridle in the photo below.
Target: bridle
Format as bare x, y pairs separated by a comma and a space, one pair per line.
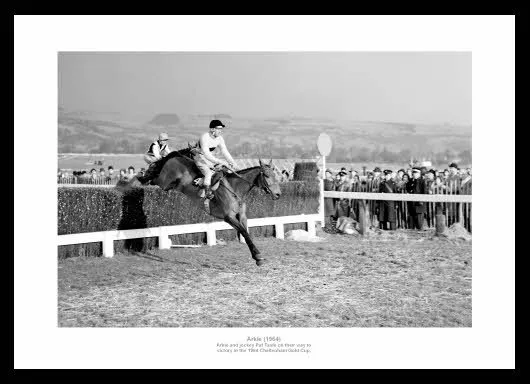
261, 179
264, 183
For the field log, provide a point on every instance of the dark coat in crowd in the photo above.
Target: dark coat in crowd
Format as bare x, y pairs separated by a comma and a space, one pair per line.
416, 186
329, 203
343, 205
376, 182
387, 208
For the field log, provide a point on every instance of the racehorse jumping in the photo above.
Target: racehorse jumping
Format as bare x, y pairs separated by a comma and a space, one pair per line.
178, 171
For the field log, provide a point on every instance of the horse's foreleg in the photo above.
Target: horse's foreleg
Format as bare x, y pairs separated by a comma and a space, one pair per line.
242, 217
237, 225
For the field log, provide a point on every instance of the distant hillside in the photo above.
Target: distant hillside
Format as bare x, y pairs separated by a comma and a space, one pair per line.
276, 137
165, 119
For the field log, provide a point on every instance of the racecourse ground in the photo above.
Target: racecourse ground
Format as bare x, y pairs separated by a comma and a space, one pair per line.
400, 279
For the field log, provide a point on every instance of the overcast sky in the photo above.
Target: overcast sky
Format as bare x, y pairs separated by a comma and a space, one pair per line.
415, 87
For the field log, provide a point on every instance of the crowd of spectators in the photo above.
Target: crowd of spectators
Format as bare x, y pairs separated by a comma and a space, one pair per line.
413, 180
103, 176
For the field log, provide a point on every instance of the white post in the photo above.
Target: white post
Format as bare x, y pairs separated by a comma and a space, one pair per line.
210, 237
321, 202
311, 228
163, 239
278, 229
108, 245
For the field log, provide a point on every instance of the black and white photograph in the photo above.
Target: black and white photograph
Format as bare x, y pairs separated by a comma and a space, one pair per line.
229, 153
247, 194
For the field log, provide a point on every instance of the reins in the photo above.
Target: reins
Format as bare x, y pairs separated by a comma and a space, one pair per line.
252, 185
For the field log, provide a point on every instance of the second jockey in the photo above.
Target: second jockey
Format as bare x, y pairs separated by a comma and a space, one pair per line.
204, 158
157, 149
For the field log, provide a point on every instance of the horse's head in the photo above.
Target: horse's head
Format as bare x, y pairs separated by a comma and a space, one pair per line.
267, 180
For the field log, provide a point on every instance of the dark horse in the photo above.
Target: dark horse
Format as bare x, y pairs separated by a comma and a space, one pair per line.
178, 171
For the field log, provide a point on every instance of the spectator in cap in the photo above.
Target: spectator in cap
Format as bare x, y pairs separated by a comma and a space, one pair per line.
454, 180
157, 149
205, 158
343, 205
387, 208
329, 175
102, 172
416, 209
377, 173
377, 179
453, 170
373, 186
398, 178
454, 185
429, 177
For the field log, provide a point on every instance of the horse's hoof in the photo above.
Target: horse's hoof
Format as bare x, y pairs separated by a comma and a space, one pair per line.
260, 262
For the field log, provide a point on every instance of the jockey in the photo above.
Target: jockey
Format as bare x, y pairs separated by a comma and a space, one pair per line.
157, 149
205, 160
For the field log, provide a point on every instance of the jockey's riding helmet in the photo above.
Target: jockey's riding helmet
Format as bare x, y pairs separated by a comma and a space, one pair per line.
163, 136
216, 124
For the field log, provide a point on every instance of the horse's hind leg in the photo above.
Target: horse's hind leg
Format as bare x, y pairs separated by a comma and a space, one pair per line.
235, 223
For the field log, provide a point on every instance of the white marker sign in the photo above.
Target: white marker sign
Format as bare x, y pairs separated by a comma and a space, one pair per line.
324, 144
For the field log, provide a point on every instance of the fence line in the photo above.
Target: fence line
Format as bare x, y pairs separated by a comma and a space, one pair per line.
163, 232
86, 181
398, 197
453, 198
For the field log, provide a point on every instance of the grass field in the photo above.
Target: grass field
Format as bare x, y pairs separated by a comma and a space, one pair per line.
399, 279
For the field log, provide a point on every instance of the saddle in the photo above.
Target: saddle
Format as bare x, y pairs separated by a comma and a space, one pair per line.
216, 179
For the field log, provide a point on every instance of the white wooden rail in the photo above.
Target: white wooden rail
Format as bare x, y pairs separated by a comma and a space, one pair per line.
66, 185
399, 197
163, 233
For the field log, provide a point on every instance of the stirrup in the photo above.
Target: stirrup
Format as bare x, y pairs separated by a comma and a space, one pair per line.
208, 194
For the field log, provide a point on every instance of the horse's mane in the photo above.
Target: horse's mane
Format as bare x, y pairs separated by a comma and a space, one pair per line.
248, 169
